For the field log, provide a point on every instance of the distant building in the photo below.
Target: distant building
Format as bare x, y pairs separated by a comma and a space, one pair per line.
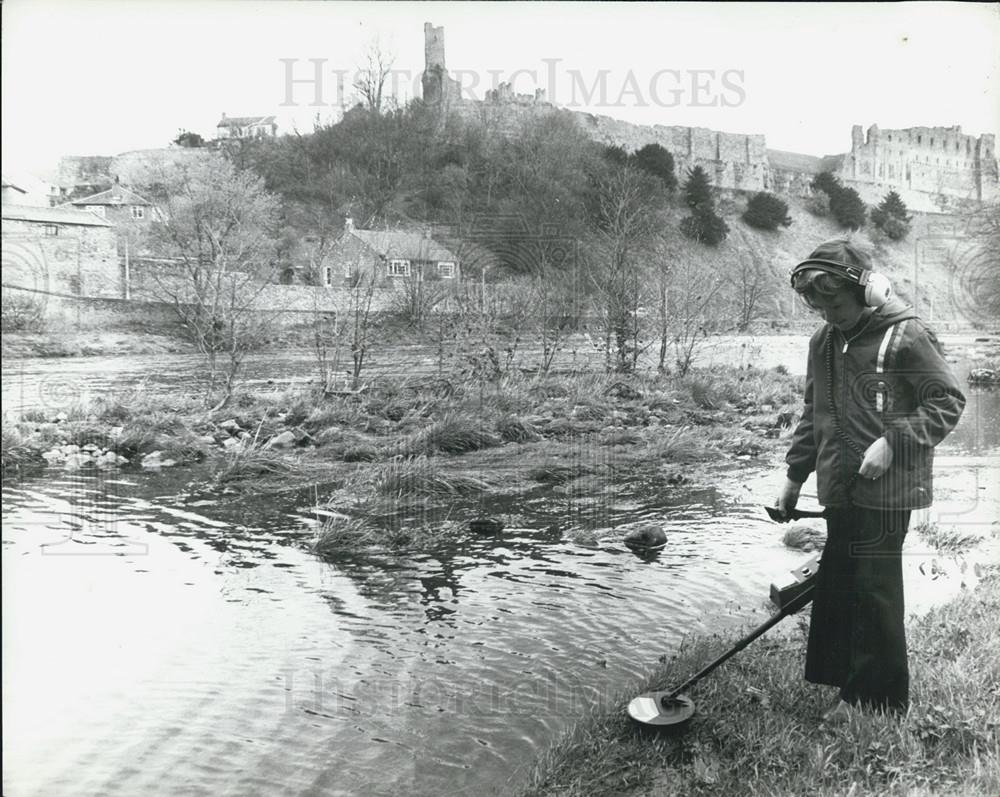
244, 127
62, 250
13, 194
29, 190
388, 254
118, 205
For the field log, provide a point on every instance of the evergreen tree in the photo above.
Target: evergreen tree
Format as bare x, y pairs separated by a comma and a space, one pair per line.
765, 212
826, 183
848, 208
706, 227
655, 160
698, 190
845, 203
616, 155
703, 225
890, 217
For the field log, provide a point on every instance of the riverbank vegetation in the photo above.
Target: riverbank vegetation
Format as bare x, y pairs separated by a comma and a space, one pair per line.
420, 453
757, 729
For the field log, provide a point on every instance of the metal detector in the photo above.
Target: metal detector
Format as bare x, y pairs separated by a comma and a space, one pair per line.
670, 709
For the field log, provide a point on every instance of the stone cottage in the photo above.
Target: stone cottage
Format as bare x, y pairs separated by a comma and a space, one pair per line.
390, 255
60, 250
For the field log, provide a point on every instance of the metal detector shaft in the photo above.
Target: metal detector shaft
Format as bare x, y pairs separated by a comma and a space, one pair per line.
791, 608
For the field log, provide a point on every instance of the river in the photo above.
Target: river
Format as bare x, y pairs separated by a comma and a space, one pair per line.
161, 640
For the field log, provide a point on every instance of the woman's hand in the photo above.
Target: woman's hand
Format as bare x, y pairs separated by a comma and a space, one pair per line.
877, 459
789, 497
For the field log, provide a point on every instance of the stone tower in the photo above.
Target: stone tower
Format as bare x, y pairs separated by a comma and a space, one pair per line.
433, 81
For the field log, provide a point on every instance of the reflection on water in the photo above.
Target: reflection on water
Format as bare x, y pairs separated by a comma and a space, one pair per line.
155, 639
159, 641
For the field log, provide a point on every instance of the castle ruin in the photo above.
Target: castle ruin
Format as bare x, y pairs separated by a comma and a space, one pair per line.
933, 169
941, 162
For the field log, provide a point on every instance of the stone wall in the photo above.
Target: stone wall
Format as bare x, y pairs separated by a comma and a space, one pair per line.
160, 281
78, 260
932, 168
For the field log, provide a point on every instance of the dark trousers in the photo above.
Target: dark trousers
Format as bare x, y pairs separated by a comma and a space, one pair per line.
857, 639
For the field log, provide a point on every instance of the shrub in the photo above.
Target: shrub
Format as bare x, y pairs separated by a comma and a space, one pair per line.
845, 203
655, 160
21, 313
819, 205
766, 212
616, 155
705, 227
848, 208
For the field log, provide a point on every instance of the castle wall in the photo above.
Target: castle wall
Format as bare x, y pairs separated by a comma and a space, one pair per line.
932, 168
733, 160
939, 167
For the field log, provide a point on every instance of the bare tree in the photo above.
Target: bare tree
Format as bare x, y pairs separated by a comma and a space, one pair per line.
625, 218
370, 79
750, 279
216, 244
691, 301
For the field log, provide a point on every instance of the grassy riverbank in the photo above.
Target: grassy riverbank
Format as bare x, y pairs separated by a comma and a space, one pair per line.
757, 730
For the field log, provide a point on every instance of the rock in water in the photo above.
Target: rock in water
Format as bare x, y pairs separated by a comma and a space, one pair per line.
648, 536
486, 526
804, 538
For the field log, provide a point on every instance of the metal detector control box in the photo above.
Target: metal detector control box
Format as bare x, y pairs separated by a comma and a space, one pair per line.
798, 588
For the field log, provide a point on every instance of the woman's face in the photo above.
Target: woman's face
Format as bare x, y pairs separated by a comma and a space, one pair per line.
842, 309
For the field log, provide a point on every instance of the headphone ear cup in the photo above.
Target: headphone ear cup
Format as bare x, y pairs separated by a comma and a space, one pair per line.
878, 289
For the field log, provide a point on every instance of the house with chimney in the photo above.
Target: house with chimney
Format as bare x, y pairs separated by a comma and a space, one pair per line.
389, 255
246, 127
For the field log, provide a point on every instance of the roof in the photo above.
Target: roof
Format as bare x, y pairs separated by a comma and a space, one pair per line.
245, 121
406, 245
8, 183
62, 215
117, 195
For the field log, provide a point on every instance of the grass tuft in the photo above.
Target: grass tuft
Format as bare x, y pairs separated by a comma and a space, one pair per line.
250, 461
420, 476
947, 540
514, 429
680, 445
455, 434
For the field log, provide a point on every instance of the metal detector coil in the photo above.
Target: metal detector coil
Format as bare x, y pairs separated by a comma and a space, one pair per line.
670, 708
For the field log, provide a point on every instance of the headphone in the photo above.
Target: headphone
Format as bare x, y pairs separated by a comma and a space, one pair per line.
877, 288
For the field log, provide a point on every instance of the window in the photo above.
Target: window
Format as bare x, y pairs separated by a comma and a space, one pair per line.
98, 209
446, 269
138, 212
51, 229
932, 142
920, 139
328, 276
399, 268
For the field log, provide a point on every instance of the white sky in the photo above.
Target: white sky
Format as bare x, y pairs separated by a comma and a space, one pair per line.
106, 76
